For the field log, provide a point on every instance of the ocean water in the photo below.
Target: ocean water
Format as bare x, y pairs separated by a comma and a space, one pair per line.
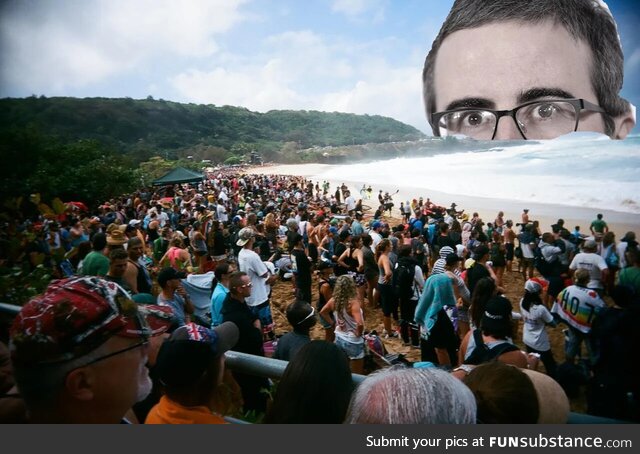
579, 169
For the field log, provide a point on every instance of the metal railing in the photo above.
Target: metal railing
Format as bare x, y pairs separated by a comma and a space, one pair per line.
274, 369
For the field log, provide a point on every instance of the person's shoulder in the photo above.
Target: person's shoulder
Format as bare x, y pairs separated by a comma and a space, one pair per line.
515, 358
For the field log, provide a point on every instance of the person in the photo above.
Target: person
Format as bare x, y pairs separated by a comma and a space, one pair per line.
629, 239
176, 256
234, 309
388, 299
370, 269
250, 262
549, 67
411, 396
222, 273
614, 387
326, 281
526, 242
347, 320
136, 275
315, 388
408, 283
504, 394
535, 316
439, 341
174, 296
96, 262
480, 268
88, 369
508, 237
118, 259
598, 226
301, 267
302, 317
190, 367
630, 276
492, 340
578, 306
591, 261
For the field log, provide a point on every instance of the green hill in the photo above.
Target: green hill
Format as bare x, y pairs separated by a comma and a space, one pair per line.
144, 128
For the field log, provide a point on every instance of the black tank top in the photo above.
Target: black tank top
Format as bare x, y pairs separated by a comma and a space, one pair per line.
321, 300
351, 261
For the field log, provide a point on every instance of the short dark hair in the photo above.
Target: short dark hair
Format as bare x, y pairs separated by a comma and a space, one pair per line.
99, 241
585, 20
118, 254
235, 280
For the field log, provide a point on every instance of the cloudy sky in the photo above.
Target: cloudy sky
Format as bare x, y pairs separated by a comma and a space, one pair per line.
360, 56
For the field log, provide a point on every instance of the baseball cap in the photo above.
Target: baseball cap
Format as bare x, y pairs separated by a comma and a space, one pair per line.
188, 353
244, 235
376, 224
333, 230
74, 316
590, 244
497, 312
167, 274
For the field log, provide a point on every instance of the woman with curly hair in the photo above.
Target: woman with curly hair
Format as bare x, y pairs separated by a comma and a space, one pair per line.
349, 321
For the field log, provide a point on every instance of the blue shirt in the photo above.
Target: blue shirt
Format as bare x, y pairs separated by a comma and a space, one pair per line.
356, 228
217, 298
177, 306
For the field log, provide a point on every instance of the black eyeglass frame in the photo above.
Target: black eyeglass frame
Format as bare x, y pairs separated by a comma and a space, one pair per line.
143, 342
578, 104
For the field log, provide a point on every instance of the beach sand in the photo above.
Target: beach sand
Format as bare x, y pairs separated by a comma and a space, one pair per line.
487, 208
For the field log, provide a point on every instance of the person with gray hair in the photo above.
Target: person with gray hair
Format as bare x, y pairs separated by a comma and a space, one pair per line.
399, 395
552, 66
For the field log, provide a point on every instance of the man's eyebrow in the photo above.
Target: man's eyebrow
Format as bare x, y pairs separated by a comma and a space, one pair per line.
470, 102
542, 92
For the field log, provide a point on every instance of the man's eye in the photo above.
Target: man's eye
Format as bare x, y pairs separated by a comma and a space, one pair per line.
546, 110
473, 119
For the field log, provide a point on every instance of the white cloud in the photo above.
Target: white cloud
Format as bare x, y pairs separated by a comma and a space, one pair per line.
357, 9
66, 44
301, 70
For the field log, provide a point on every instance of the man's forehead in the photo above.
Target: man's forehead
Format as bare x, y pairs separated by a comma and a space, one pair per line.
500, 61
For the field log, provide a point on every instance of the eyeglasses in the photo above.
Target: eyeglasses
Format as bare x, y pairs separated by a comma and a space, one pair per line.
311, 314
250, 284
545, 119
143, 342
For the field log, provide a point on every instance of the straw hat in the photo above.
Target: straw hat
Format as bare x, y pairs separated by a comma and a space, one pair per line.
116, 238
552, 401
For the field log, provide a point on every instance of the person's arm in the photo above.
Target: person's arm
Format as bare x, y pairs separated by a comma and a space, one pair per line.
131, 277
188, 305
360, 257
326, 311
326, 291
343, 256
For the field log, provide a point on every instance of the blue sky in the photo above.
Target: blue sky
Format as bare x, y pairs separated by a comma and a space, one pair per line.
360, 56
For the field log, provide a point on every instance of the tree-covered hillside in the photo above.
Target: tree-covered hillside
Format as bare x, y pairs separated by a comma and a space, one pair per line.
144, 128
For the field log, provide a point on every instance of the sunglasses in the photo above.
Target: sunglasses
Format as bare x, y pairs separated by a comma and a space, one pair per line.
311, 314
250, 284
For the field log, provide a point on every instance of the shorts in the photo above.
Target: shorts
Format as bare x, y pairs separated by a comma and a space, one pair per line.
263, 312
359, 278
353, 350
509, 249
325, 324
388, 300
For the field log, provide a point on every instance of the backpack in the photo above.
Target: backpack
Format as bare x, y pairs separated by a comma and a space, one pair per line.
483, 354
403, 276
545, 268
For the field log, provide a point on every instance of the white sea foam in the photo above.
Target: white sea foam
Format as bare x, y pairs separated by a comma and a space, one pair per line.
580, 169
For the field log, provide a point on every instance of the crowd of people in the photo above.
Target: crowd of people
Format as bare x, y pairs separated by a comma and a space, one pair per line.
120, 335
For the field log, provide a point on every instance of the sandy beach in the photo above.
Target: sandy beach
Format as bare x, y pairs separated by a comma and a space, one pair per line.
487, 208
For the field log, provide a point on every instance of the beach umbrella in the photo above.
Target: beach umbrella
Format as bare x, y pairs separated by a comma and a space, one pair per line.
79, 205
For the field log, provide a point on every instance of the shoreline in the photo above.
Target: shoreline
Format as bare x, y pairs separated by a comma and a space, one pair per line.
547, 214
